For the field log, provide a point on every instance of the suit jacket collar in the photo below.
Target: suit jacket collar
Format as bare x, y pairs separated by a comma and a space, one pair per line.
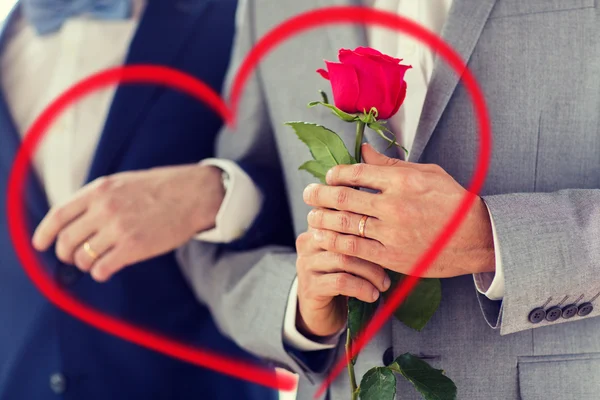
163, 30
461, 31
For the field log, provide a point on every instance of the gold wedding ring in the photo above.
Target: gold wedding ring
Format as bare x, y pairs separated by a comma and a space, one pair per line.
362, 224
90, 252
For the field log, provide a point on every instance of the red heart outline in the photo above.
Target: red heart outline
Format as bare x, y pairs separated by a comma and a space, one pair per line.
188, 84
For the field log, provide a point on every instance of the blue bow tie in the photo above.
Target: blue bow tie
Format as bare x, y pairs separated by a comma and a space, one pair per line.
47, 16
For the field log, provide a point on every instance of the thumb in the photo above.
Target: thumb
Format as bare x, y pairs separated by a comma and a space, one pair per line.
373, 157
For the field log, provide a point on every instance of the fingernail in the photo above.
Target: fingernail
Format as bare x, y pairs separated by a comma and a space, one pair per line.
318, 235
386, 283
329, 175
375, 294
307, 190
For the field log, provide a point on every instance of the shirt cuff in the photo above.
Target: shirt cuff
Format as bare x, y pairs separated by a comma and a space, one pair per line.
491, 284
242, 203
293, 338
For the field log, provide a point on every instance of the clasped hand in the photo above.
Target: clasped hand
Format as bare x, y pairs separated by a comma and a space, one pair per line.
411, 205
122, 219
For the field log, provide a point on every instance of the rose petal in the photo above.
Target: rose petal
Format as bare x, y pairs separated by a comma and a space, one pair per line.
345, 86
371, 81
368, 51
394, 78
400, 98
323, 73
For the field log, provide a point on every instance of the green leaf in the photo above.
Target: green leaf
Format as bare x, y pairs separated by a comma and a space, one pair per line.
317, 169
430, 382
325, 145
344, 116
420, 305
378, 383
359, 315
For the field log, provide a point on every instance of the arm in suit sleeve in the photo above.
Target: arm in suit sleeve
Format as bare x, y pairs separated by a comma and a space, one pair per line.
247, 290
550, 248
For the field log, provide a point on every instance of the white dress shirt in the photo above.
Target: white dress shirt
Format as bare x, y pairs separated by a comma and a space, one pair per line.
432, 14
36, 69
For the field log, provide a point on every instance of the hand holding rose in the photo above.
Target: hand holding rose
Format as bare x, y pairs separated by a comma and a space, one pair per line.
119, 220
414, 203
325, 279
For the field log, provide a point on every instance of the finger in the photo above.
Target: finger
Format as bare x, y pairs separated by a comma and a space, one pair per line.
367, 249
342, 284
54, 222
361, 175
344, 222
71, 237
330, 262
340, 198
106, 266
373, 157
99, 245
60, 216
306, 245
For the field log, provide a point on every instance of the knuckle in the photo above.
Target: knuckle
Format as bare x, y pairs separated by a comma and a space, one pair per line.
341, 283
109, 206
60, 214
343, 222
351, 245
357, 171
435, 168
391, 162
332, 240
343, 260
313, 194
342, 196
103, 184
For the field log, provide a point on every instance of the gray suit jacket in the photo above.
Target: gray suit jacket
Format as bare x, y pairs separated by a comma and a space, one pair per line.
538, 62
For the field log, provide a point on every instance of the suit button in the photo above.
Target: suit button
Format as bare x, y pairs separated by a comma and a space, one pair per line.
585, 309
553, 313
388, 356
569, 311
537, 315
58, 383
67, 274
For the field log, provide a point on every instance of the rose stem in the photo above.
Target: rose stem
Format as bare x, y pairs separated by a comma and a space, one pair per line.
360, 132
353, 385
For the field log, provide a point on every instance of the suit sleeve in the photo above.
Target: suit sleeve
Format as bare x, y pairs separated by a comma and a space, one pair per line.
550, 249
247, 290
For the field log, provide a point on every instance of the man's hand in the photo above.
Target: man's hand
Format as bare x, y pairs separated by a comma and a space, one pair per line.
413, 204
130, 217
323, 278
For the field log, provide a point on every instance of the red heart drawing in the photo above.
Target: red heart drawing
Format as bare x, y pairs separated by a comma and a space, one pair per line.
148, 74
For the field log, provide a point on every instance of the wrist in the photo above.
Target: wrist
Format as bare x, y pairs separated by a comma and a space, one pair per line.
208, 182
322, 330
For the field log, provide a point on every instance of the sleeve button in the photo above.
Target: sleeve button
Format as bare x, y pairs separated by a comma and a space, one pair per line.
569, 311
553, 313
585, 309
537, 315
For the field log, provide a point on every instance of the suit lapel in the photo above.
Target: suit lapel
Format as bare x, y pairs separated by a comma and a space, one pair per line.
162, 31
465, 23
10, 140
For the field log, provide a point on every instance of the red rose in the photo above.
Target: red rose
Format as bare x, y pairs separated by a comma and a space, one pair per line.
365, 78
